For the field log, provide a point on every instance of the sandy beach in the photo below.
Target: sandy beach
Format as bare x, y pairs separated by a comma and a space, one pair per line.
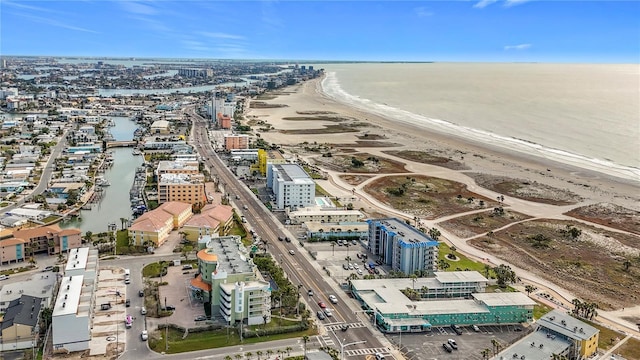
478, 158
308, 125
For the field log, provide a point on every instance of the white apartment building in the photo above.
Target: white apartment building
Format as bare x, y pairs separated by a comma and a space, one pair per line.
291, 186
71, 320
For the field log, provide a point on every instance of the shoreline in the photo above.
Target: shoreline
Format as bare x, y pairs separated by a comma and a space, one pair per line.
495, 149
593, 186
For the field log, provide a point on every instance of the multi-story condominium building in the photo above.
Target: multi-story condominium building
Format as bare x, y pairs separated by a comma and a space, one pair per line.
50, 239
402, 246
213, 220
12, 250
152, 228
229, 281
336, 230
72, 313
266, 157
236, 141
447, 298
186, 188
20, 323
557, 334
291, 185
178, 167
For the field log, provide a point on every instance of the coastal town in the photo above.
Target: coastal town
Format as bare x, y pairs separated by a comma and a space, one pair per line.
256, 218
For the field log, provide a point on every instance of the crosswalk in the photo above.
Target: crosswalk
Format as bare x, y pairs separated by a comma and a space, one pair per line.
368, 351
336, 327
326, 339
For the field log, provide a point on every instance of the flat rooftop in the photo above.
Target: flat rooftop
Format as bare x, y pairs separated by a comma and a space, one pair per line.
504, 299
77, 259
232, 255
68, 295
535, 346
565, 324
407, 233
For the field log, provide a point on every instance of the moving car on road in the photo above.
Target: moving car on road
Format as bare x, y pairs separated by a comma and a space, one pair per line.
333, 299
322, 305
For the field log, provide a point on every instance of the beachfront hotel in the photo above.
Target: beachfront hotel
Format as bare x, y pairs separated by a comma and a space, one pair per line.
231, 282
402, 246
455, 297
291, 186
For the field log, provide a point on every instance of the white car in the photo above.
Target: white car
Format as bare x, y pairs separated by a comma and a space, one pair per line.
143, 310
292, 252
359, 272
144, 335
333, 299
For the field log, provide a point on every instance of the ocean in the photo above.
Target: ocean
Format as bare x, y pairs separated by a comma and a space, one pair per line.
586, 115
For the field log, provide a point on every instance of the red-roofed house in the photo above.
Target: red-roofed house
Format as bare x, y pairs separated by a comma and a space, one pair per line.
222, 213
50, 239
153, 227
181, 212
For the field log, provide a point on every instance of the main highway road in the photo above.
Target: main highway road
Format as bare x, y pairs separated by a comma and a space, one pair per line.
297, 267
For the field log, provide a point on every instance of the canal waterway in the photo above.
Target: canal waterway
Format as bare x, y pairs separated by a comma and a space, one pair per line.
115, 203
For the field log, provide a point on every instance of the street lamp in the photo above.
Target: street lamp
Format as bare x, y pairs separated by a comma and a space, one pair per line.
343, 345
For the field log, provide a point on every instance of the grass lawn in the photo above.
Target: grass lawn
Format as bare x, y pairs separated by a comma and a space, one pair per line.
630, 349
463, 263
50, 219
607, 336
540, 309
153, 269
321, 192
211, 339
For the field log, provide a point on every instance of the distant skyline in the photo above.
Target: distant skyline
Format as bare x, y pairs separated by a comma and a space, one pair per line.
474, 31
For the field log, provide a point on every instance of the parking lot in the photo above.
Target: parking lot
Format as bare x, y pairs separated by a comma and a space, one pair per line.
333, 259
178, 295
428, 346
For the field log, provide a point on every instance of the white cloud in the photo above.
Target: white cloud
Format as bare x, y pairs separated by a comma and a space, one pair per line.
517, 47
483, 3
422, 12
509, 3
137, 8
506, 3
219, 35
56, 23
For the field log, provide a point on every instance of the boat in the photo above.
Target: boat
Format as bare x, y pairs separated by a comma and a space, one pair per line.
100, 181
136, 152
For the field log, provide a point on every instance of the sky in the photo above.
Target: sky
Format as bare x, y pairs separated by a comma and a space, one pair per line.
471, 30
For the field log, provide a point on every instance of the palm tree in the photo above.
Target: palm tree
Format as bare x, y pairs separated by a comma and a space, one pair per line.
269, 352
288, 349
494, 345
434, 233
238, 356
333, 248
443, 265
305, 339
248, 354
529, 289
259, 353
123, 222
413, 278
485, 354
227, 357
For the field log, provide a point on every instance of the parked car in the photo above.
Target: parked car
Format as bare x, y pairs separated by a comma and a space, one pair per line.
168, 308
144, 335
379, 356
201, 318
333, 299
447, 347
4, 277
141, 293
187, 267
476, 328
354, 242
456, 328
345, 266
127, 281
320, 315
453, 344
48, 268
127, 303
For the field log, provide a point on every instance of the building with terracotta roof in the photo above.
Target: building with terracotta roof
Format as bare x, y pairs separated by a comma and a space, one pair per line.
12, 250
231, 282
222, 213
201, 225
153, 228
180, 211
50, 239
236, 141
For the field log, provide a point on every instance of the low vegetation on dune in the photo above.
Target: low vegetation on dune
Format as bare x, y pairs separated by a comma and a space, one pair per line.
475, 224
355, 179
427, 157
426, 196
611, 215
360, 163
526, 189
596, 265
